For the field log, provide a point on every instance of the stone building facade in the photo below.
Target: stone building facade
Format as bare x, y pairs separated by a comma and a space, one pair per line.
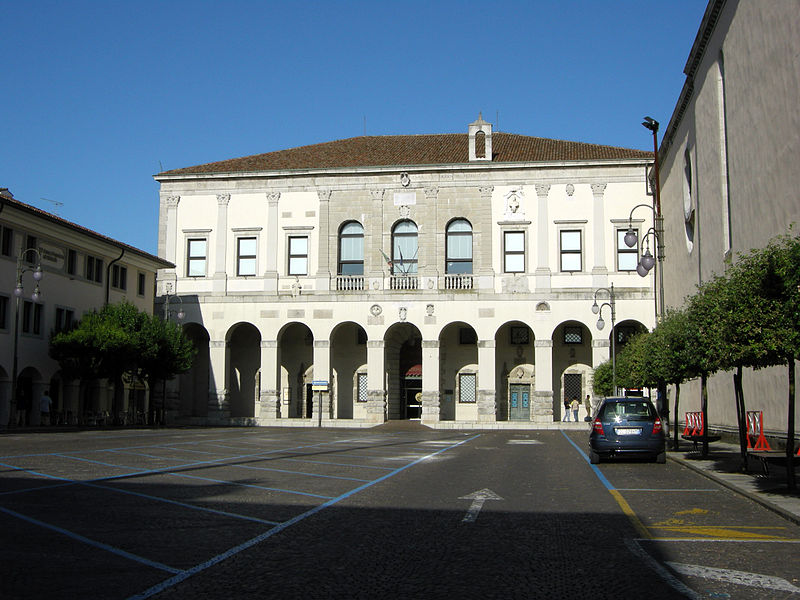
443, 277
729, 177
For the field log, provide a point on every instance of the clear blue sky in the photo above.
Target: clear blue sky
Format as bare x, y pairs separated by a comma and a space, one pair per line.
99, 96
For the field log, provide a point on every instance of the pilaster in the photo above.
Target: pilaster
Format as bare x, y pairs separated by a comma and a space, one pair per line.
219, 278
430, 381
599, 270
543, 242
272, 241
543, 383
487, 386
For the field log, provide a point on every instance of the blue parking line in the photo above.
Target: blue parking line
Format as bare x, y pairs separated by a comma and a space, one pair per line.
298, 473
172, 581
250, 485
597, 472
335, 464
90, 542
177, 503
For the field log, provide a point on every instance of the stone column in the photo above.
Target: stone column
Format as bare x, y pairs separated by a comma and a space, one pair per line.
542, 239
430, 381
269, 394
601, 351
219, 278
374, 264
430, 262
376, 381
324, 267
272, 244
543, 382
599, 270
322, 372
169, 244
487, 385
218, 403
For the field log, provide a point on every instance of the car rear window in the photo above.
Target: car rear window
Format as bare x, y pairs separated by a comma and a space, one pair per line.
629, 410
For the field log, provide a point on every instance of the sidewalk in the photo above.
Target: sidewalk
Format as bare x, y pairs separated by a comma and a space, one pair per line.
723, 466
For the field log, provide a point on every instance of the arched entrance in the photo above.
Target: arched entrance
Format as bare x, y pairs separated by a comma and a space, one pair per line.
295, 358
404, 371
245, 360
350, 342
194, 384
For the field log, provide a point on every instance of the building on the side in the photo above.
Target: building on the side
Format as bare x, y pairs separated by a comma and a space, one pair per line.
81, 271
444, 277
729, 170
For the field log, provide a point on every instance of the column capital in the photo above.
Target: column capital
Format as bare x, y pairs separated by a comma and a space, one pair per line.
598, 189
431, 193
324, 195
377, 194
542, 189
486, 192
223, 199
172, 201
273, 197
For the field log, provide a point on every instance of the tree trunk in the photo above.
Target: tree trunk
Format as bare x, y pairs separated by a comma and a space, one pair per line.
676, 443
741, 413
790, 483
704, 408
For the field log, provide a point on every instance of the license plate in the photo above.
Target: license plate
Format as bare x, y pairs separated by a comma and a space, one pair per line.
629, 431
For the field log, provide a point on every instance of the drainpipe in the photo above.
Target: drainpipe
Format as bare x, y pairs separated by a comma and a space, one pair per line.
108, 272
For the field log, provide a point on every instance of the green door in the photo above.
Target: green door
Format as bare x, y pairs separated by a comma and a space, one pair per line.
519, 402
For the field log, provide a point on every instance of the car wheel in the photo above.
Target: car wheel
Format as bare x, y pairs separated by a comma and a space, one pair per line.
661, 458
594, 457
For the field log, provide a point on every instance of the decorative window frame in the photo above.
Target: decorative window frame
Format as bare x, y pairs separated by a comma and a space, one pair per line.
195, 235
524, 252
246, 234
563, 227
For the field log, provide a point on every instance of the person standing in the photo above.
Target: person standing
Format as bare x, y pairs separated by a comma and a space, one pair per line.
566, 409
575, 405
587, 403
45, 403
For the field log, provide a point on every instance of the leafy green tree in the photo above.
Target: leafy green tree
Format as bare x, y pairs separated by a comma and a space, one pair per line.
117, 340
602, 380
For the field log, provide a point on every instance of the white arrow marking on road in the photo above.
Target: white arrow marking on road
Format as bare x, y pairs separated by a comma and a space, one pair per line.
478, 498
738, 577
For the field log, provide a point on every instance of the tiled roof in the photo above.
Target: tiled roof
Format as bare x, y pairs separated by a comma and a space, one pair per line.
406, 150
7, 199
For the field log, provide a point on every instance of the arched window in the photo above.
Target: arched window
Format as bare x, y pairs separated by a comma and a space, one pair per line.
404, 248
458, 251
351, 249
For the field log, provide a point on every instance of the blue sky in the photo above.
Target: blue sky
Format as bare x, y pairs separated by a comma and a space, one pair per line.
99, 96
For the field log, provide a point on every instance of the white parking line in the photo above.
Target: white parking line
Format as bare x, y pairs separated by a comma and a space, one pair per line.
738, 577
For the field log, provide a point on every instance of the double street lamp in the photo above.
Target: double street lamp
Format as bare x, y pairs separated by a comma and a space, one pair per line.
34, 267
598, 310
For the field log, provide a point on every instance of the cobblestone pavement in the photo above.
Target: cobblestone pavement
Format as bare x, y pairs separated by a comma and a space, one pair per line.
394, 512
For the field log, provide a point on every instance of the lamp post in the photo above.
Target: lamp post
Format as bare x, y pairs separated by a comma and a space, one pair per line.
598, 310
652, 125
36, 269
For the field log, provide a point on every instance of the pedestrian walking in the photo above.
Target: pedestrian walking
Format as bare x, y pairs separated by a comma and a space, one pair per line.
45, 403
575, 405
587, 403
566, 409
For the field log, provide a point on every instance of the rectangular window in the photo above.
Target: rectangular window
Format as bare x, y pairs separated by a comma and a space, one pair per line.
246, 248
119, 277
31, 318
514, 252
72, 260
467, 388
573, 335
571, 251
3, 312
7, 241
362, 388
298, 255
65, 318
94, 269
196, 258
627, 258
31, 243
140, 283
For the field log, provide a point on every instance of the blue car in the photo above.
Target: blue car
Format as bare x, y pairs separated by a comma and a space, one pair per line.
627, 427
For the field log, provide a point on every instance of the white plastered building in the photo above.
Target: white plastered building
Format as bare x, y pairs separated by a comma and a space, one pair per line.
444, 277
82, 270
729, 172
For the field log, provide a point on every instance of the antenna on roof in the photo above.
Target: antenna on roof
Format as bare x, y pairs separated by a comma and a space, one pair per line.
55, 203
160, 166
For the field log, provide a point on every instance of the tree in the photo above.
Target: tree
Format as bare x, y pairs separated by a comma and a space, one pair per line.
117, 340
602, 380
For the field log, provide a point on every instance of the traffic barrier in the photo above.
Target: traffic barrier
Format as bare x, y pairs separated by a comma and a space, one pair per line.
755, 429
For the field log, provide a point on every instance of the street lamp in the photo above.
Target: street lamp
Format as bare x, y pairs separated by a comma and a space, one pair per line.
598, 310
19, 290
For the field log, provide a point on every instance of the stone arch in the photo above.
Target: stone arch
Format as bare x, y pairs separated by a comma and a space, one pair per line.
458, 347
350, 342
514, 346
295, 357
572, 346
403, 360
575, 381
195, 385
244, 360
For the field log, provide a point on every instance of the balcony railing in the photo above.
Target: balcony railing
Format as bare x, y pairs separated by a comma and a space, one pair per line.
403, 282
350, 283
460, 281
